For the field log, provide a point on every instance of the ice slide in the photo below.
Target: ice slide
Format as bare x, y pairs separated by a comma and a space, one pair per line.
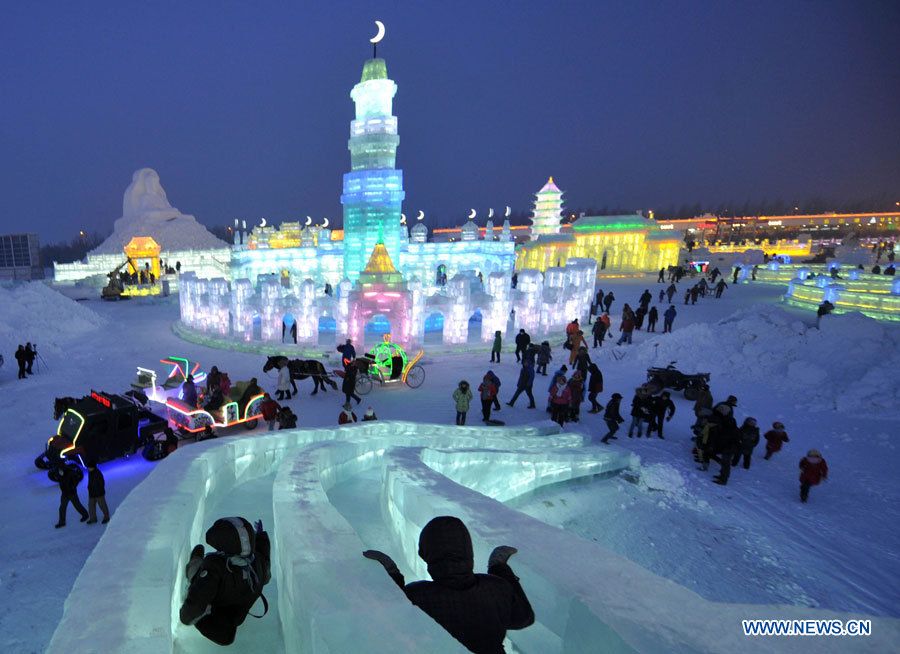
326, 598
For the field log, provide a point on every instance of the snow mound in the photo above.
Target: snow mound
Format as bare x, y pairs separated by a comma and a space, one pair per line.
661, 477
32, 311
848, 364
146, 211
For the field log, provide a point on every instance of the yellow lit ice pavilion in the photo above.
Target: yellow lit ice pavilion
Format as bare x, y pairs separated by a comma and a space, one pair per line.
621, 245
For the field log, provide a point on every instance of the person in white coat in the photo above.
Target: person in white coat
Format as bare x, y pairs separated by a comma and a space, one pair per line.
283, 390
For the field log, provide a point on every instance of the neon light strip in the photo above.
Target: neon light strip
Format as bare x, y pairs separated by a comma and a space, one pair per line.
411, 364
224, 413
182, 369
252, 400
71, 447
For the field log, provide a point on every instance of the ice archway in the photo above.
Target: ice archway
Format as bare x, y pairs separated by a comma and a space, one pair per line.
327, 598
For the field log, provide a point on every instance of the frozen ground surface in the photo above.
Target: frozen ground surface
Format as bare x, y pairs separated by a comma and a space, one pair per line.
750, 542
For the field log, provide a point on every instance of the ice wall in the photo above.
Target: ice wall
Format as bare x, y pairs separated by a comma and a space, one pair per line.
136, 610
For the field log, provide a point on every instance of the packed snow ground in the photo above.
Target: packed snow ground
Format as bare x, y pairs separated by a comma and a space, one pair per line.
751, 541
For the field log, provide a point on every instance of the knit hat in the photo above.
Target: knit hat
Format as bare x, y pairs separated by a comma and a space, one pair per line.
814, 453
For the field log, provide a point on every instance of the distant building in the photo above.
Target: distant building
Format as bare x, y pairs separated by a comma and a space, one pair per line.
20, 257
621, 245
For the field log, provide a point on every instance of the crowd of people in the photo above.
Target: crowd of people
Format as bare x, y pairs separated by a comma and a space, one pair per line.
716, 435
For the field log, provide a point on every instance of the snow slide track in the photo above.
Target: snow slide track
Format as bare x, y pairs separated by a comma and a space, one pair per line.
332, 600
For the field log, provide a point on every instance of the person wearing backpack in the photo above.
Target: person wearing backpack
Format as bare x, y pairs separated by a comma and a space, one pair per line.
225, 584
69, 478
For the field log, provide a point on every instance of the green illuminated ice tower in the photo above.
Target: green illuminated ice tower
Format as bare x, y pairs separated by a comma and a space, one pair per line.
373, 189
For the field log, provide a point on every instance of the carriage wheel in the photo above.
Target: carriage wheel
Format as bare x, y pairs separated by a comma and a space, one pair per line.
691, 393
416, 376
363, 385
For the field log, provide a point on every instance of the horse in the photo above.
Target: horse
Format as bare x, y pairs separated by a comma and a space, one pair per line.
301, 369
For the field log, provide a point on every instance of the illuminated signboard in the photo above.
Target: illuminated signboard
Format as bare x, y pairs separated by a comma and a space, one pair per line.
101, 399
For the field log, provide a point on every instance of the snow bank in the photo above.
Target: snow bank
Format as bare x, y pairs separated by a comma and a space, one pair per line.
661, 477
849, 364
32, 311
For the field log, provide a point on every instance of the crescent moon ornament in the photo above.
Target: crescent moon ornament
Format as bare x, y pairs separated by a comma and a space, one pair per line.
402, 218
324, 223
421, 215
262, 222
471, 214
380, 35
490, 213
308, 221
508, 211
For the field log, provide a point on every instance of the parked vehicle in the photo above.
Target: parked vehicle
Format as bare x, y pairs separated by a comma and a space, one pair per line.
100, 427
671, 377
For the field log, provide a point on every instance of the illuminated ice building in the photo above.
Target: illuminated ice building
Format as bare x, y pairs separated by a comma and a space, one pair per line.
377, 272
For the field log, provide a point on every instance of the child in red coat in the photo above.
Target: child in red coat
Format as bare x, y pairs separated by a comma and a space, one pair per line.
346, 417
774, 439
487, 391
813, 469
269, 409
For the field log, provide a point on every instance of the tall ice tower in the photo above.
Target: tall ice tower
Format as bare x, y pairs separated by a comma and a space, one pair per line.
373, 189
547, 211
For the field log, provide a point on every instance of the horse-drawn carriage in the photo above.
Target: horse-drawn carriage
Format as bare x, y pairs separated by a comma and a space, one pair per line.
387, 363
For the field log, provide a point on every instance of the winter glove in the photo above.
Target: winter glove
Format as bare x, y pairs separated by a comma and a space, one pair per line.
500, 554
388, 563
194, 563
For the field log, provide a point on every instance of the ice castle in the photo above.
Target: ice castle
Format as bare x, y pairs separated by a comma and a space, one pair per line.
303, 279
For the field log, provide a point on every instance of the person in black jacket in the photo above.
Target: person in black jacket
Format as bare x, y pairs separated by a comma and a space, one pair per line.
476, 609
30, 354
641, 412
348, 386
21, 361
225, 584
522, 342
722, 441
660, 405
96, 494
652, 318
68, 492
749, 434
612, 417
